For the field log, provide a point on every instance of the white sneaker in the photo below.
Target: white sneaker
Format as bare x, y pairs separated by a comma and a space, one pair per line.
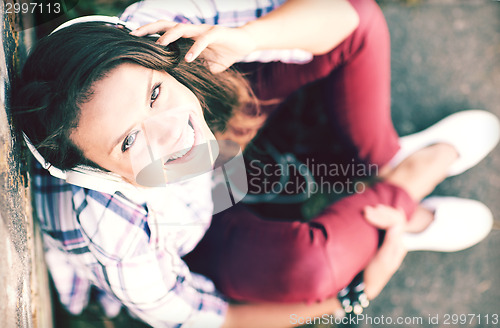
458, 224
473, 133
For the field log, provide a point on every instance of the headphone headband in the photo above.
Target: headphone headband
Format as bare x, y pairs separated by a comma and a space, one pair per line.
113, 20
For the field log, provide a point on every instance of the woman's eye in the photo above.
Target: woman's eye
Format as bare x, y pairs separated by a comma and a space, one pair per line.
155, 94
129, 141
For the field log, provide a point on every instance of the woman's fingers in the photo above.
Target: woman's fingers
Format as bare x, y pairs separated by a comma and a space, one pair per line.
152, 28
384, 217
203, 34
228, 45
171, 35
171, 30
201, 43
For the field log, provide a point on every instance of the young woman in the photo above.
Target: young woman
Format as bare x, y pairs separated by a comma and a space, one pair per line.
99, 104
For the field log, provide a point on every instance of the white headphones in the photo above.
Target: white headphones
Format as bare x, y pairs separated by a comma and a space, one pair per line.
85, 176
112, 20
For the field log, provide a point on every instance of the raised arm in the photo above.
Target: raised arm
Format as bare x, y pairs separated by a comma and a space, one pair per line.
315, 26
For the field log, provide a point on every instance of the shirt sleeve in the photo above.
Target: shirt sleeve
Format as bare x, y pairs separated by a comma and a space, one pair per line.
164, 296
215, 12
153, 283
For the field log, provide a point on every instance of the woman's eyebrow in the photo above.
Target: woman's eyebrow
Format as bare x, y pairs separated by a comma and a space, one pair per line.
127, 131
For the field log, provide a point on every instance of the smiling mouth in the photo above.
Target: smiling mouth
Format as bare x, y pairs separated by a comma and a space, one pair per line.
188, 144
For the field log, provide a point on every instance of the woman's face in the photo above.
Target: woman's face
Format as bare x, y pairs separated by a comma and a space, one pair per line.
142, 122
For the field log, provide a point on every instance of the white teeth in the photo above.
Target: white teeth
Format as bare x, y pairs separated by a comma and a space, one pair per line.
188, 144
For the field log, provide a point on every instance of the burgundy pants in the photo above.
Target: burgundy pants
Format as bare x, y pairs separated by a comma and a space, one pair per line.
253, 259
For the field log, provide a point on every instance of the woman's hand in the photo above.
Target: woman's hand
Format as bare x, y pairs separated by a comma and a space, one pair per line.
392, 252
315, 26
385, 217
229, 45
376, 275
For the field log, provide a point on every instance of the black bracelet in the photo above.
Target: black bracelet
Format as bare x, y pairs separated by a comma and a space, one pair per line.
353, 298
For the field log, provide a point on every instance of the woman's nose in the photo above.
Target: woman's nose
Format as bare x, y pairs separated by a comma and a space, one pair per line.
163, 130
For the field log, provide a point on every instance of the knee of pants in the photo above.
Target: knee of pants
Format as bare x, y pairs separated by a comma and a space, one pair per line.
318, 269
307, 275
316, 283
295, 271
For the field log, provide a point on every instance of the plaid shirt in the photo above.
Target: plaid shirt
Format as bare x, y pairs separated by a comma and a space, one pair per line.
130, 251
130, 246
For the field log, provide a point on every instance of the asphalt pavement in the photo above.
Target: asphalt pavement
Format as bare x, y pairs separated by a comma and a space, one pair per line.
446, 58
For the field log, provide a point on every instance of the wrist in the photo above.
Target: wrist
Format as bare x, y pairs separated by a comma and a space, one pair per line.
251, 33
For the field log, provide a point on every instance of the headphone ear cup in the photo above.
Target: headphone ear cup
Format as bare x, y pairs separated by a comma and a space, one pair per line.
54, 171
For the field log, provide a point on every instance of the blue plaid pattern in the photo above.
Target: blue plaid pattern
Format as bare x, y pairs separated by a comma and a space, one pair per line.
130, 251
213, 12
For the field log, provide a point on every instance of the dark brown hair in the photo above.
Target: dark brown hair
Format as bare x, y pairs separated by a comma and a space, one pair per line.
61, 70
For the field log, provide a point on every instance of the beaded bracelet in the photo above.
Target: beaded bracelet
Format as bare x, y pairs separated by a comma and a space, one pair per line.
353, 298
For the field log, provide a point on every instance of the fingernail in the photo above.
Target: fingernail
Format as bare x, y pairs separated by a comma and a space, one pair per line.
189, 56
134, 32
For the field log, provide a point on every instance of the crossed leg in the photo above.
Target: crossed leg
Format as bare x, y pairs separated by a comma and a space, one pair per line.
253, 259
